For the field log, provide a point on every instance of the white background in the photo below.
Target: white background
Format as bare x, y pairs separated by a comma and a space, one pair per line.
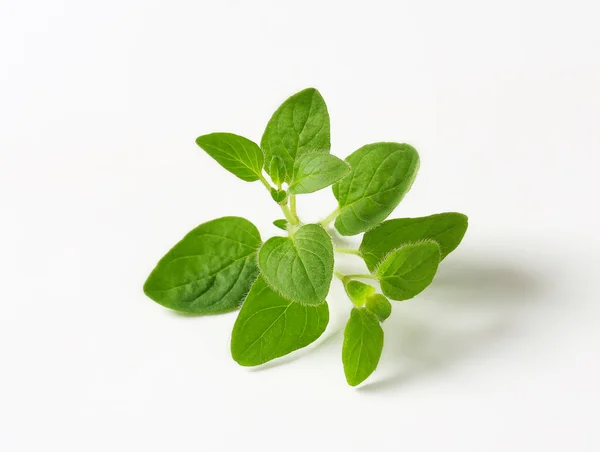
100, 103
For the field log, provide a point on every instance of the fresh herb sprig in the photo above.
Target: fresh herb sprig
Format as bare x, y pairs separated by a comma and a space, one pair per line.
281, 284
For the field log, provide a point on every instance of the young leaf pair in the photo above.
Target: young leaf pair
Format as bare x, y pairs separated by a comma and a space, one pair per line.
403, 255
282, 283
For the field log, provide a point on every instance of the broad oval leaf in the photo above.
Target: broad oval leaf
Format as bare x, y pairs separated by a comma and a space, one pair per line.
269, 326
299, 267
235, 153
363, 343
381, 174
299, 125
210, 270
316, 170
379, 305
408, 270
447, 229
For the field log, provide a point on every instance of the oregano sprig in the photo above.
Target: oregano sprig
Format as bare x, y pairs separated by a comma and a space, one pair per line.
282, 284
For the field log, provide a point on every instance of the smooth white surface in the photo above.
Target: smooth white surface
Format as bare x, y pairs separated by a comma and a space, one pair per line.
100, 103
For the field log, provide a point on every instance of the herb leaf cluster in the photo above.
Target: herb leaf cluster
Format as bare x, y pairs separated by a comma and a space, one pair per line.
282, 284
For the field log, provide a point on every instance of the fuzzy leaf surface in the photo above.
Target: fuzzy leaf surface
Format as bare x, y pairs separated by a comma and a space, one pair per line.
317, 170
235, 153
447, 229
299, 125
363, 344
408, 270
379, 305
210, 270
381, 174
300, 267
269, 326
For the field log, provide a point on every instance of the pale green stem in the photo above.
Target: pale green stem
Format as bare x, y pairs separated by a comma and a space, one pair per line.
330, 218
293, 206
345, 278
289, 216
265, 183
360, 276
347, 251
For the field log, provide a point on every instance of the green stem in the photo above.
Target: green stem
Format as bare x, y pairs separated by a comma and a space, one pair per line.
293, 207
324, 222
265, 183
360, 276
347, 251
289, 216
339, 275
345, 278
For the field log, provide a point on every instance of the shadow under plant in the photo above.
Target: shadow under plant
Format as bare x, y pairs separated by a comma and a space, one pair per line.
472, 303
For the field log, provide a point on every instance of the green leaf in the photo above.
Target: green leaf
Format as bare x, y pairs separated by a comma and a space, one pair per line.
269, 326
381, 175
236, 154
408, 270
210, 270
299, 125
277, 171
447, 229
300, 267
358, 291
316, 170
281, 224
278, 195
379, 305
363, 343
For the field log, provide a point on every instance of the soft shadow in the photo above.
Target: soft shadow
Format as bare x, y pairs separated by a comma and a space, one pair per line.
470, 304
196, 315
